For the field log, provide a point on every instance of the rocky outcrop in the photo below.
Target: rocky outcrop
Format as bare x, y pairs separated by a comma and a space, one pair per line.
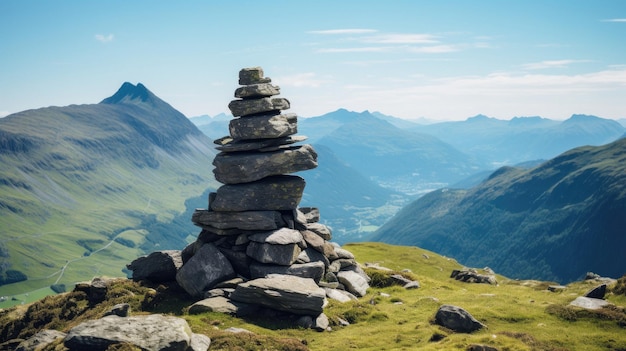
470, 275
253, 227
457, 319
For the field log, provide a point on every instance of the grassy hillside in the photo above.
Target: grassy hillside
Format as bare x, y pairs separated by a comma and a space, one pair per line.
519, 315
556, 221
82, 187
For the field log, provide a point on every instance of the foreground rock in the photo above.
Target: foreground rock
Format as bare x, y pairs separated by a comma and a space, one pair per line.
40, 340
283, 293
457, 319
152, 332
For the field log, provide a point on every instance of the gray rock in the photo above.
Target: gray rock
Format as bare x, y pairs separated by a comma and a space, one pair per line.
471, 276
204, 270
341, 264
120, 310
343, 253
309, 255
228, 144
199, 342
248, 220
159, 266
318, 228
313, 270
239, 260
283, 293
314, 240
40, 340
353, 282
311, 214
257, 90
589, 303
282, 236
152, 332
275, 193
273, 254
244, 167
457, 319
235, 330
597, 293
252, 75
264, 127
249, 107
321, 323
339, 295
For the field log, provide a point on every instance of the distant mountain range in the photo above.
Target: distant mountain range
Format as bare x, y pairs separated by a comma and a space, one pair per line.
555, 221
84, 187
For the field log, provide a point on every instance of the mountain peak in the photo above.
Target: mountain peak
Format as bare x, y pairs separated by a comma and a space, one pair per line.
130, 93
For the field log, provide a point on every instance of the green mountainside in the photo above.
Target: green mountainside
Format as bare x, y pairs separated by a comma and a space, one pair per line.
518, 314
556, 221
84, 187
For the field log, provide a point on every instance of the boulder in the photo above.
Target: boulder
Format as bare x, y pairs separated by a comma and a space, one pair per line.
589, 303
40, 340
151, 332
264, 126
309, 255
597, 293
456, 319
120, 310
472, 276
275, 193
273, 254
244, 167
159, 266
283, 293
354, 282
339, 295
248, 220
199, 342
204, 270
249, 107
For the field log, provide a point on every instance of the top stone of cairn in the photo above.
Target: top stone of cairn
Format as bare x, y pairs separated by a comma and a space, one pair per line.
252, 75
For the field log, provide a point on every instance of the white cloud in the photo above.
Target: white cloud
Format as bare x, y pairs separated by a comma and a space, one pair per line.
104, 38
550, 64
435, 49
356, 49
344, 31
4, 113
402, 39
615, 20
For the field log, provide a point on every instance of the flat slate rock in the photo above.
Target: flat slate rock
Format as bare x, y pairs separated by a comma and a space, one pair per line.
263, 126
589, 303
312, 270
284, 255
282, 236
247, 220
257, 90
152, 332
275, 193
354, 282
228, 144
244, 167
249, 107
40, 340
252, 75
283, 293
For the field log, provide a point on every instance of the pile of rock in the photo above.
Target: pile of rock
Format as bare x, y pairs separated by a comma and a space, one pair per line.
256, 245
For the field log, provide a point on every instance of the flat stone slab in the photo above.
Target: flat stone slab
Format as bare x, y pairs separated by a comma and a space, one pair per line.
275, 193
151, 332
255, 106
252, 75
244, 167
284, 293
257, 90
263, 126
248, 220
589, 303
282, 236
228, 144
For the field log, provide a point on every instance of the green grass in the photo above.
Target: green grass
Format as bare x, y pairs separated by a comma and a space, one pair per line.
519, 315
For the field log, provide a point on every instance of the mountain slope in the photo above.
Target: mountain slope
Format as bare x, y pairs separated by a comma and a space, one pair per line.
80, 184
555, 221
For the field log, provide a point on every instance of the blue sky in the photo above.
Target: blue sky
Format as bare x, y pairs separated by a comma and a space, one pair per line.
443, 60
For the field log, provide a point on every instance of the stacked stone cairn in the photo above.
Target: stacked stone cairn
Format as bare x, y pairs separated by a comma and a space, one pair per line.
258, 251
